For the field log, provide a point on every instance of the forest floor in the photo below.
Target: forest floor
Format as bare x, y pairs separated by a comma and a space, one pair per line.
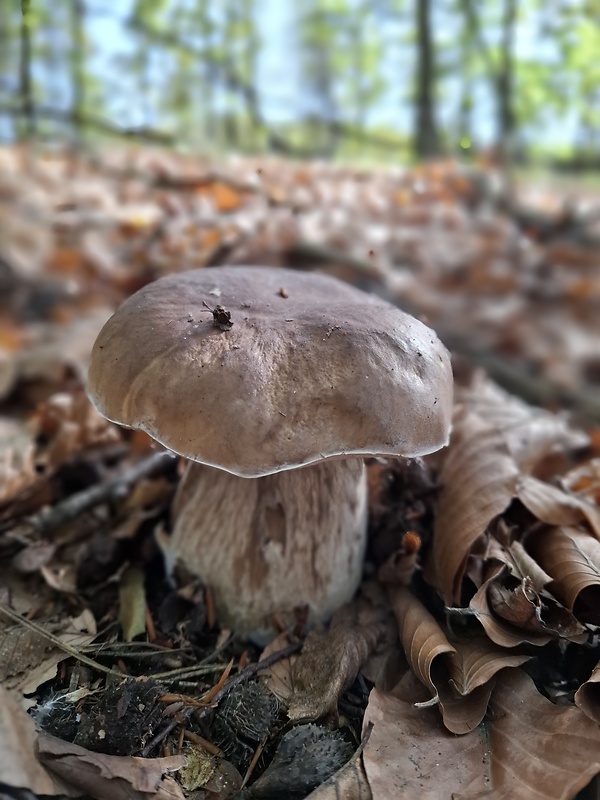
469, 664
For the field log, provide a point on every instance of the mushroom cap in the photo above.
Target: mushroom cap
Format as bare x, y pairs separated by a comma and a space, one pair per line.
312, 368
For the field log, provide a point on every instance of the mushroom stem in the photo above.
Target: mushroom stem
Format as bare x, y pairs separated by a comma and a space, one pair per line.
273, 544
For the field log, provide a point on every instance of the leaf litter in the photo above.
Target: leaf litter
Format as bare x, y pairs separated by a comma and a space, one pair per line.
473, 647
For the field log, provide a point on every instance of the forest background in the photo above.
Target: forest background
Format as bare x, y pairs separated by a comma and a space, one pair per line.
375, 80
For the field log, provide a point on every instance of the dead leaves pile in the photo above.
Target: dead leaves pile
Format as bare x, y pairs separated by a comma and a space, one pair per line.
470, 661
515, 559
79, 233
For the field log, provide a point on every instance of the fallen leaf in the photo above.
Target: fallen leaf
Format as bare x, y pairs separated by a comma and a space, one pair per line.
531, 434
572, 558
478, 478
330, 660
422, 638
132, 604
461, 679
526, 748
555, 506
476, 661
279, 677
522, 565
527, 609
587, 697
19, 767
110, 777
17, 467
499, 630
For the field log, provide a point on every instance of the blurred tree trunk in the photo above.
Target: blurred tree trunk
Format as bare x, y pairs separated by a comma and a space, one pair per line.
319, 78
25, 83
427, 142
77, 20
505, 79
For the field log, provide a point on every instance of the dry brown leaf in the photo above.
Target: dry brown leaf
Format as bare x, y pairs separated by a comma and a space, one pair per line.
27, 658
525, 608
461, 680
19, 767
330, 660
132, 604
530, 433
110, 777
422, 638
585, 480
279, 677
587, 697
475, 662
572, 557
478, 479
498, 630
555, 506
522, 565
527, 748
17, 467
68, 424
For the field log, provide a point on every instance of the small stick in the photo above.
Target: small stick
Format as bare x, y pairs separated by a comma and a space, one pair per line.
71, 507
202, 742
27, 623
253, 763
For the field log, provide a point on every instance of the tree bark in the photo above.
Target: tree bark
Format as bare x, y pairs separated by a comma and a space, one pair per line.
427, 142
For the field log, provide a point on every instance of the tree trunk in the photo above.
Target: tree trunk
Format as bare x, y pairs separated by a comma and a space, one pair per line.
25, 84
427, 143
505, 80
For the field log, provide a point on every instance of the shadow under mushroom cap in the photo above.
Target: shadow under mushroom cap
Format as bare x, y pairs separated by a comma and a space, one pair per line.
311, 368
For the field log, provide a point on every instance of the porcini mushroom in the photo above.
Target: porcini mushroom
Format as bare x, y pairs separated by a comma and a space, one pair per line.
275, 412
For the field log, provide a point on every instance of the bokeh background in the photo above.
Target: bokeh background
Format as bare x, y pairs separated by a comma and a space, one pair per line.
375, 80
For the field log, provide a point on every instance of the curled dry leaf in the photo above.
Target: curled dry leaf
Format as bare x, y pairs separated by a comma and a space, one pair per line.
110, 777
555, 506
461, 680
530, 433
399, 568
330, 660
500, 631
587, 697
522, 565
524, 608
478, 479
422, 638
475, 662
526, 748
572, 557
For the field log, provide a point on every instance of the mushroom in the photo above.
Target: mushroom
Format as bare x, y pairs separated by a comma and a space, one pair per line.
275, 411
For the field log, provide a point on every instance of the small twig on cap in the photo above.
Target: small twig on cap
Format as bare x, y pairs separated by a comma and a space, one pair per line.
221, 316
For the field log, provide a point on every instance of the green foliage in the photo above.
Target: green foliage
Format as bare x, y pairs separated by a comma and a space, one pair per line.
195, 69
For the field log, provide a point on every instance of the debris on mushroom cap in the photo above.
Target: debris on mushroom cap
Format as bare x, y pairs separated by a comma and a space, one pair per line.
327, 371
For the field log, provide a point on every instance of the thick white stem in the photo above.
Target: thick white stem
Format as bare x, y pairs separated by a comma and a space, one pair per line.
273, 544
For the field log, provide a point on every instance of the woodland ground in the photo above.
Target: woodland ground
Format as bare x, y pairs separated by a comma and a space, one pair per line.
469, 665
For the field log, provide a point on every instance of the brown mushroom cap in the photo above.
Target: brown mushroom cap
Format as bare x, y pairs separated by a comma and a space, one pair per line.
319, 369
